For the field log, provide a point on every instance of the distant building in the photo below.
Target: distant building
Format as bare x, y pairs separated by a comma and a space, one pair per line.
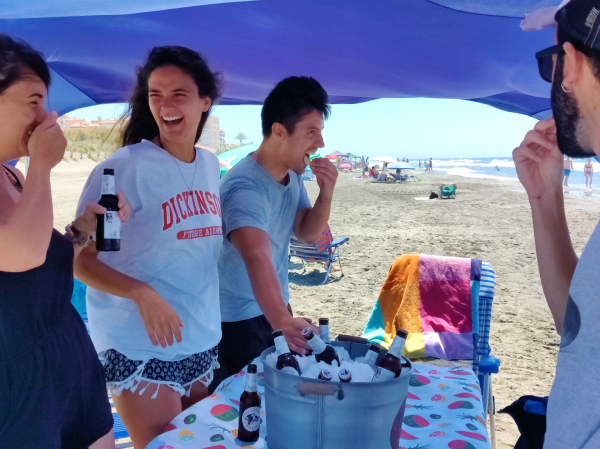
212, 136
66, 122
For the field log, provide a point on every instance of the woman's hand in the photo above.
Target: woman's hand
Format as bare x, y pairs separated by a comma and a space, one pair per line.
47, 143
87, 220
161, 321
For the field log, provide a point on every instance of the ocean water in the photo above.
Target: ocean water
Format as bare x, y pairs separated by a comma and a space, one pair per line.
486, 168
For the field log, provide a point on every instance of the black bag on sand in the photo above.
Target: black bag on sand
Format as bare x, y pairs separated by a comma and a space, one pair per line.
433, 196
529, 413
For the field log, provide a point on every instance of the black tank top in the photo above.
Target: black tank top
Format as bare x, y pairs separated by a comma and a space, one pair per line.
33, 302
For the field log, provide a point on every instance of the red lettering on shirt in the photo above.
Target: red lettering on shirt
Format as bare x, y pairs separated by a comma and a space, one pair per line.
191, 195
178, 220
179, 198
186, 198
201, 202
200, 232
209, 200
167, 219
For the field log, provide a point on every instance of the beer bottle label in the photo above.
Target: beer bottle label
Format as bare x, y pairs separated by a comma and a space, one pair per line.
324, 331
317, 344
108, 185
251, 383
397, 347
112, 225
290, 370
382, 375
251, 419
281, 346
371, 358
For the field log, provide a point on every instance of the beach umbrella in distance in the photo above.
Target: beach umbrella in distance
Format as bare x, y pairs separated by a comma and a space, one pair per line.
346, 166
230, 158
386, 159
331, 157
338, 154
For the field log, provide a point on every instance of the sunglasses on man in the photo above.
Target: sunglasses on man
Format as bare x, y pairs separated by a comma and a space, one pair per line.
545, 59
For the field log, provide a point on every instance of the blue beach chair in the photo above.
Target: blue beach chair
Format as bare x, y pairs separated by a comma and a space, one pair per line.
328, 253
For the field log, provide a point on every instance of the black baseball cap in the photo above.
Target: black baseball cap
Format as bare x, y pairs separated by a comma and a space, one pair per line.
580, 19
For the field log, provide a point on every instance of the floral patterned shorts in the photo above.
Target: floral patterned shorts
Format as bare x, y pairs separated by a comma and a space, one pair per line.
125, 374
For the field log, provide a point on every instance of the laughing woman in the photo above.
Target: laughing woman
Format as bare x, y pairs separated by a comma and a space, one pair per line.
52, 387
153, 307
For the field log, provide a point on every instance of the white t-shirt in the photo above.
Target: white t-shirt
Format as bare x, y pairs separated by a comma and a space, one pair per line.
171, 241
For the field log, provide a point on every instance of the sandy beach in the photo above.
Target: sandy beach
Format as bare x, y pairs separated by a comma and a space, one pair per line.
490, 219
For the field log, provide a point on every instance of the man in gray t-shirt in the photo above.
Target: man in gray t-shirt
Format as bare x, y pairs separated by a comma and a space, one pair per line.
263, 200
571, 285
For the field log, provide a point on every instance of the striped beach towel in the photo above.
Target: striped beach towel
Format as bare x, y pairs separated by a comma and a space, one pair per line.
443, 302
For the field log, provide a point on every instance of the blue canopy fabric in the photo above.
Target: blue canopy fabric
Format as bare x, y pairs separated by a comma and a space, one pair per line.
358, 51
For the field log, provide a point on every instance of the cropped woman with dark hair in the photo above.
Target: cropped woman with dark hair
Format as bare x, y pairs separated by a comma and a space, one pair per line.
153, 307
52, 387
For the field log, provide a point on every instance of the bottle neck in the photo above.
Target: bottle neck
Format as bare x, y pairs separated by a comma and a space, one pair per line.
317, 344
371, 356
108, 185
397, 346
281, 346
324, 331
251, 383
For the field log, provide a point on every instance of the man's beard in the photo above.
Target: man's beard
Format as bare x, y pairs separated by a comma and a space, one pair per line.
569, 124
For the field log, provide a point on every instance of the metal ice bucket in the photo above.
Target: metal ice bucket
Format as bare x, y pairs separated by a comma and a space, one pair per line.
313, 414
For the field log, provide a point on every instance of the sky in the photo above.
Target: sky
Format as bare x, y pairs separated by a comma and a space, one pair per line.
417, 128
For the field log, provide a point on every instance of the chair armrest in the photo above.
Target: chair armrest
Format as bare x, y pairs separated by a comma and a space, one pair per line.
339, 242
489, 364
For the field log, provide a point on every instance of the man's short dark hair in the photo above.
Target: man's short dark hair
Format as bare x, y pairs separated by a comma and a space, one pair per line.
292, 99
563, 36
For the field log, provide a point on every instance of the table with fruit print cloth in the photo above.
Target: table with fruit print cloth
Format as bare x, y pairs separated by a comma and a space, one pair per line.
443, 410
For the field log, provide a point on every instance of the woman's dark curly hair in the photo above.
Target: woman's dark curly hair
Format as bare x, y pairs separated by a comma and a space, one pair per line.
141, 123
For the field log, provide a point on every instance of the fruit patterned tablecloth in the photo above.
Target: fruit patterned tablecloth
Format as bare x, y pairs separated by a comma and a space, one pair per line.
444, 410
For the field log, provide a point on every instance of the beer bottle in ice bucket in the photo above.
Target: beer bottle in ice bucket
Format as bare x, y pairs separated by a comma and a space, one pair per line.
249, 420
325, 375
324, 330
323, 353
372, 354
285, 360
390, 366
345, 375
108, 225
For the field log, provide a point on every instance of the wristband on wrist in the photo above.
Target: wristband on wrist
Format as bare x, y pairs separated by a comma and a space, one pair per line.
78, 237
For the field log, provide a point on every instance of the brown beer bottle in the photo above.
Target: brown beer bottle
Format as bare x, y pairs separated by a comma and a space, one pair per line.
249, 420
108, 225
345, 375
323, 352
390, 366
372, 355
324, 330
286, 362
325, 375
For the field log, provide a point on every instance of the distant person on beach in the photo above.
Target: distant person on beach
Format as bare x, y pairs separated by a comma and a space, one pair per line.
568, 166
52, 388
571, 285
497, 168
588, 171
153, 307
430, 164
264, 201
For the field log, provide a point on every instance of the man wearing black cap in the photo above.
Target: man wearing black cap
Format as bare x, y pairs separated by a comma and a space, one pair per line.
571, 285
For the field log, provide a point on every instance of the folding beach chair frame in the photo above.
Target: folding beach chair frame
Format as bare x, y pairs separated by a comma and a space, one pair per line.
309, 254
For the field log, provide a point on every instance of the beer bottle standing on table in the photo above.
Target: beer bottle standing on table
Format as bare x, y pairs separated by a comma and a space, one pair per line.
323, 353
372, 354
390, 366
325, 375
324, 330
249, 418
345, 375
286, 362
108, 225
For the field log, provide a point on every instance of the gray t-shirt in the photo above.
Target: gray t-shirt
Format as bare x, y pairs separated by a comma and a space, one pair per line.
250, 197
573, 417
